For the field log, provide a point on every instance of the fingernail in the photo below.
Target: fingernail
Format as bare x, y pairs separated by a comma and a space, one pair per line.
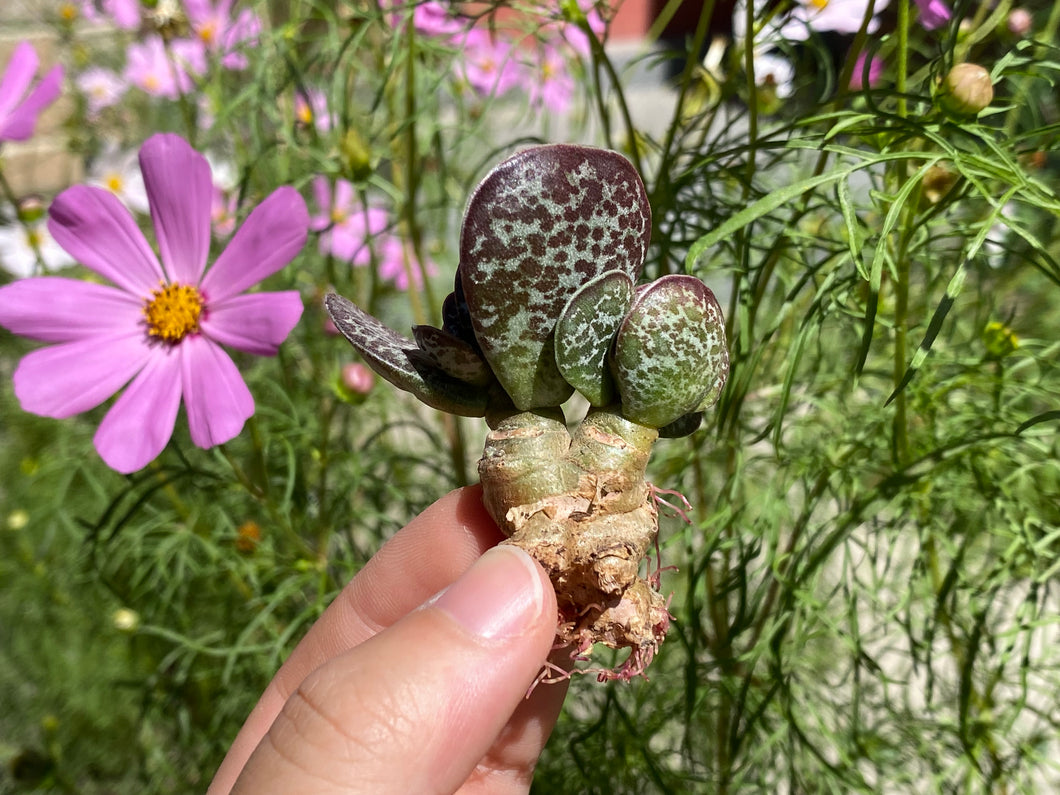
498, 597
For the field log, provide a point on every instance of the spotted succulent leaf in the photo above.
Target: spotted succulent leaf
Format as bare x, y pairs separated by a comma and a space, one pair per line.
455, 317
453, 355
398, 359
538, 227
585, 331
670, 357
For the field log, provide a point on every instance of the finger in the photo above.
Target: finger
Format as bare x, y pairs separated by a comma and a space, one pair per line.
429, 553
417, 707
509, 764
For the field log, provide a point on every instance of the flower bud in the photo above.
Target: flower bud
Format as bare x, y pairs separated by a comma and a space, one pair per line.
1019, 22
1000, 340
357, 378
967, 90
355, 155
125, 620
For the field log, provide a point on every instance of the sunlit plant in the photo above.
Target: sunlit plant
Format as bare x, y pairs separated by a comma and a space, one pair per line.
546, 303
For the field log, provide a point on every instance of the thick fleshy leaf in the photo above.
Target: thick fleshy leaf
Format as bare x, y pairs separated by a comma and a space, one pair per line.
216, 399
455, 318
141, 421
402, 363
63, 380
19, 125
180, 193
96, 229
670, 351
585, 331
539, 226
255, 323
57, 309
453, 355
270, 238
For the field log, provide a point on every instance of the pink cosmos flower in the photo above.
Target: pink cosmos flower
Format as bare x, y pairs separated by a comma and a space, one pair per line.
351, 232
489, 63
20, 106
219, 33
160, 328
576, 37
933, 13
311, 109
857, 77
550, 84
161, 73
434, 18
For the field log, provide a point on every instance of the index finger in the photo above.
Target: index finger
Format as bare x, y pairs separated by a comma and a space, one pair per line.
421, 559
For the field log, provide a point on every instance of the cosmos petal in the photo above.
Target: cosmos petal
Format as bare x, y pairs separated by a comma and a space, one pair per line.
216, 398
140, 423
180, 193
270, 238
96, 229
62, 380
255, 323
19, 125
17, 76
57, 309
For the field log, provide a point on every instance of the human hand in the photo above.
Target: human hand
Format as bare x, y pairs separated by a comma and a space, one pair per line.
400, 689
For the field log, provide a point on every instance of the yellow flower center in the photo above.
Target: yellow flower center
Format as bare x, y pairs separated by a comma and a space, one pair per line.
172, 312
68, 12
34, 238
820, 5
338, 216
208, 33
114, 183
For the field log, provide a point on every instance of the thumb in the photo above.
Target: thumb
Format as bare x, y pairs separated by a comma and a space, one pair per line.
416, 707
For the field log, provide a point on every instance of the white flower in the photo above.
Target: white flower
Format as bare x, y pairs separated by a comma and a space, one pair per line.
119, 172
774, 71
818, 16
19, 246
101, 87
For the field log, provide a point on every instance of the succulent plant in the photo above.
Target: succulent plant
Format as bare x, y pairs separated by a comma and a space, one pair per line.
546, 302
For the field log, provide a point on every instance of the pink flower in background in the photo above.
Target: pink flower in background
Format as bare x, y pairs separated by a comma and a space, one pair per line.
934, 13
351, 232
311, 109
576, 37
345, 225
220, 33
857, 77
19, 104
841, 16
124, 13
434, 18
102, 88
489, 64
149, 66
550, 84
223, 208
160, 328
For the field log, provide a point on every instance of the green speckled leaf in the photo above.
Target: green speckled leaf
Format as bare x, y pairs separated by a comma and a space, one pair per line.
399, 361
539, 226
670, 357
452, 355
585, 331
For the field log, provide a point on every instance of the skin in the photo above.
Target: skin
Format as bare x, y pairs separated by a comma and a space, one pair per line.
396, 689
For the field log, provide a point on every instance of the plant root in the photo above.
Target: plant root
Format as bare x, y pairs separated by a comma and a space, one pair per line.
581, 507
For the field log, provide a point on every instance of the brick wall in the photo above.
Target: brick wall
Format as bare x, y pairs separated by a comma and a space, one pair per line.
42, 164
